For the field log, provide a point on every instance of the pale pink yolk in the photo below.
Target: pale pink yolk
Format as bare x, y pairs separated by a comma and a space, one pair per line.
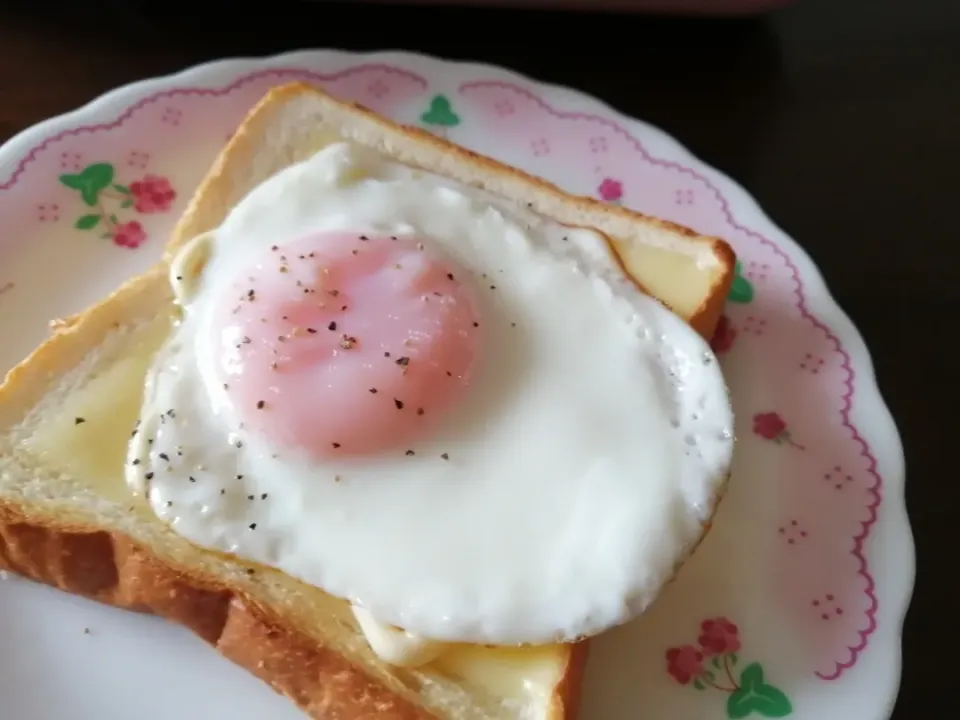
341, 343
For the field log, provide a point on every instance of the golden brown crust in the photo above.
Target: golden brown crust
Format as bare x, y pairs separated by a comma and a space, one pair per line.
113, 569
565, 702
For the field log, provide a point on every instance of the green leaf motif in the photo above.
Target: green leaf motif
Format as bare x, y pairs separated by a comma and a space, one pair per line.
716, 661
86, 222
440, 113
90, 181
698, 685
733, 658
741, 290
756, 696
122, 189
126, 203
752, 675
74, 182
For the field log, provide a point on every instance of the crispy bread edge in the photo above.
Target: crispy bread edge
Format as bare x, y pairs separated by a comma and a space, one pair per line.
113, 569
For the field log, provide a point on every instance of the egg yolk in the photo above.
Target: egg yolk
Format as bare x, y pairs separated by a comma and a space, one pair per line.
346, 343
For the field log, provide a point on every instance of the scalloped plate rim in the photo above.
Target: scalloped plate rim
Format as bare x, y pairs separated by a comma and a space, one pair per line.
820, 300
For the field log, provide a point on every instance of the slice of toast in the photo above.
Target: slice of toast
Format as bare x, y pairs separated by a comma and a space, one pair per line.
68, 520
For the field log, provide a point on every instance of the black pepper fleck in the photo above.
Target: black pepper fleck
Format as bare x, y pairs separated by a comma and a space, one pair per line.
79, 421
449, 276
191, 478
402, 361
398, 403
249, 497
149, 476
332, 325
253, 526
373, 391
260, 404
335, 445
263, 496
136, 461
164, 456
410, 452
419, 411
312, 331
445, 456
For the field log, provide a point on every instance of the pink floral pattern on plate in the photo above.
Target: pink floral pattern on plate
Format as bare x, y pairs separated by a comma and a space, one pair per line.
823, 478
96, 186
714, 663
164, 118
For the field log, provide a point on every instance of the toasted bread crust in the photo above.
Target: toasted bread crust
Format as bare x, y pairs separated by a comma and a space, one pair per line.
113, 569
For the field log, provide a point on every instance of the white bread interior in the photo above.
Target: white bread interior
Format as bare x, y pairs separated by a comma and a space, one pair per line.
66, 412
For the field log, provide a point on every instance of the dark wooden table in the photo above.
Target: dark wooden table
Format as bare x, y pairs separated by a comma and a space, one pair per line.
842, 119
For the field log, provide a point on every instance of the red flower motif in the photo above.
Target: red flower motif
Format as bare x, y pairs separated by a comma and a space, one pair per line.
152, 194
723, 336
684, 663
718, 636
771, 426
610, 190
129, 234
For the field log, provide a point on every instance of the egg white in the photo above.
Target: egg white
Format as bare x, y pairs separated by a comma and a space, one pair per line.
551, 504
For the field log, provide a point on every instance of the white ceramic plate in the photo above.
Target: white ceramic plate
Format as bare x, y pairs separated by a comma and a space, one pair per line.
793, 605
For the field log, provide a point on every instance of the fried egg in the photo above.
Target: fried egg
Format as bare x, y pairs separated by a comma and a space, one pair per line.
461, 417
